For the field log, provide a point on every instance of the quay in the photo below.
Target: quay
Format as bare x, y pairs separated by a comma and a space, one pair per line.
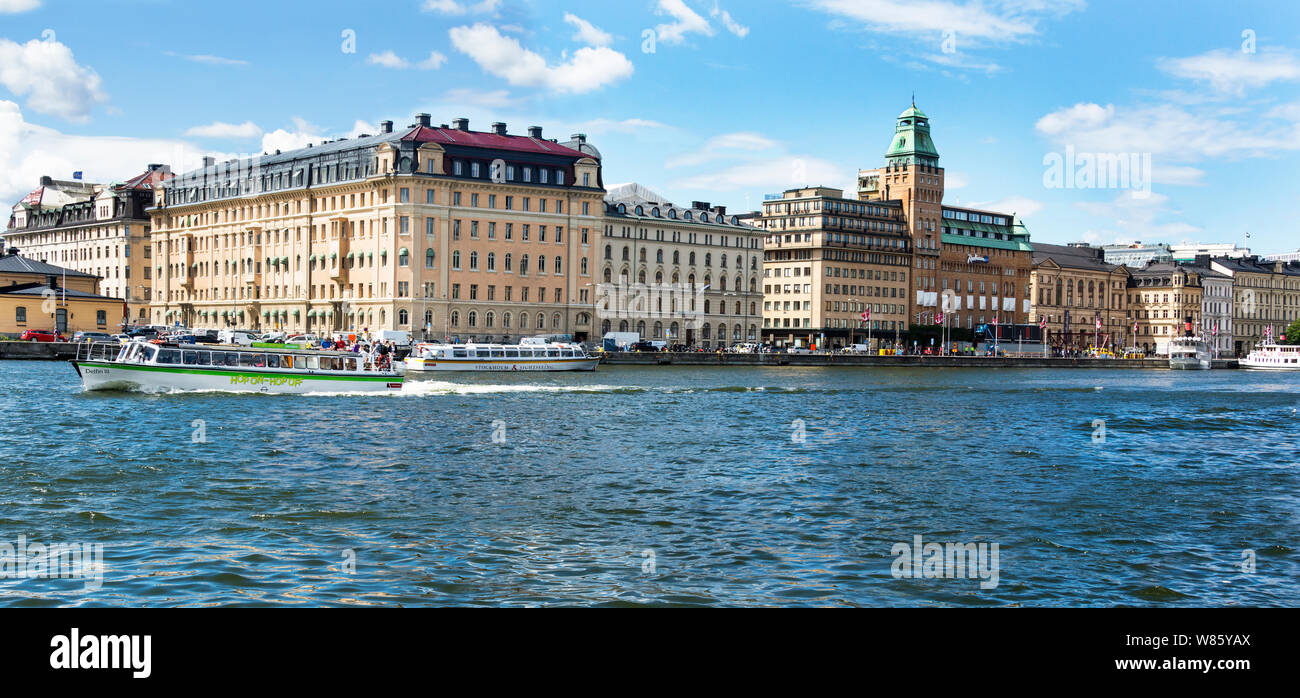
716, 359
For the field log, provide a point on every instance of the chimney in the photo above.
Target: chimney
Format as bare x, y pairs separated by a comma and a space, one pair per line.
700, 205
535, 132
209, 161
720, 210
581, 138
46, 180
52, 280
461, 124
385, 127
499, 128
423, 120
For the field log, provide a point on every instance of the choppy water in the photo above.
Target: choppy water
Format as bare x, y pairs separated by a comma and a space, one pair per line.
696, 465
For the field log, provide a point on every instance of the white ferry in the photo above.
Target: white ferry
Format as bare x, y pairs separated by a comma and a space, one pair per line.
528, 355
1273, 357
145, 367
1190, 353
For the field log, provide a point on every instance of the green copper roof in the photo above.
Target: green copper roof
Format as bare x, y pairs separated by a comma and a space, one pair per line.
911, 112
912, 136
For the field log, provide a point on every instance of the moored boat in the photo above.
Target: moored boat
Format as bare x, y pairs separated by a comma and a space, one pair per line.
1190, 353
144, 367
528, 355
1273, 357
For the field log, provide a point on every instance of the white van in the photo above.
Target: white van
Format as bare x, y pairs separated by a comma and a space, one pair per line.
401, 338
236, 337
857, 349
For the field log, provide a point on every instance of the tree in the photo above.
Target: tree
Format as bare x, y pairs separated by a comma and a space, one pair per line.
1293, 333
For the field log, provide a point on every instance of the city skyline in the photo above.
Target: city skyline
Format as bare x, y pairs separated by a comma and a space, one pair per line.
1210, 104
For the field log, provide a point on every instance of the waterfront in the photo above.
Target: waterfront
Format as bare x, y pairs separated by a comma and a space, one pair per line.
550, 489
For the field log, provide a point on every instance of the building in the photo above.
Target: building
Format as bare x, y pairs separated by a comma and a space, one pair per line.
39, 296
1072, 287
443, 231
1137, 255
835, 269
1163, 298
1188, 252
1266, 298
1216, 306
99, 229
681, 275
974, 265
1283, 257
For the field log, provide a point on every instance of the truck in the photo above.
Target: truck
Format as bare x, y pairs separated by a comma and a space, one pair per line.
620, 341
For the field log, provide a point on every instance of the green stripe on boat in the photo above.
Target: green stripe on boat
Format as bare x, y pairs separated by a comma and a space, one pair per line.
242, 374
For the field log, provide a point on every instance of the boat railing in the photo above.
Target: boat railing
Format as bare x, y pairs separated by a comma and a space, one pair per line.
98, 351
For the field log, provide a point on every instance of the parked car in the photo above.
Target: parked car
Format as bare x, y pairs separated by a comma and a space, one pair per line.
239, 337
643, 346
92, 337
42, 336
679, 348
798, 350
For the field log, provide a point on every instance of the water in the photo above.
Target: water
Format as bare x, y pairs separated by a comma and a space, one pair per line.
407, 500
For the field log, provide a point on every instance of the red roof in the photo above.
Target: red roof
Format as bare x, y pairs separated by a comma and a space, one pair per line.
479, 139
147, 180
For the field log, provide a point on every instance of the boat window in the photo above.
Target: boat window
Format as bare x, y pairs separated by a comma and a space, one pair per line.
352, 364
461, 353
498, 353
149, 352
512, 353
246, 360
273, 360
205, 358
286, 362
259, 360
568, 353
482, 353
552, 353
307, 362
169, 356
232, 358
190, 358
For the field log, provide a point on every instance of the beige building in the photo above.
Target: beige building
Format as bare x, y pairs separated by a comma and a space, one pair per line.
835, 270
1164, 299
39, 296
1072, 287
1266, 296
98, 229
681, 275
442, 231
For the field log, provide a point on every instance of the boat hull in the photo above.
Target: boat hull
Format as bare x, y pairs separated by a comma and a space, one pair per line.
104, 375
414, 365
1252, 366
1190, 364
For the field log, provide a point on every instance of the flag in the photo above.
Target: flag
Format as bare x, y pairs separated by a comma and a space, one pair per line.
1099, 323
1216, 330
939, 318
995, 321
1135, 327
866, 314
1042, 324
77, 174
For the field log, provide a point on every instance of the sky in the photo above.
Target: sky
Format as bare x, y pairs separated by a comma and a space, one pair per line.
1092, 120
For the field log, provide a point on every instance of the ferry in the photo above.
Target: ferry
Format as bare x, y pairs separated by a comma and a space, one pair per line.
1190, 353
528, 355
1273, 357
147, 367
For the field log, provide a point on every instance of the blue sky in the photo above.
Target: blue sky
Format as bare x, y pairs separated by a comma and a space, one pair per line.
722, 101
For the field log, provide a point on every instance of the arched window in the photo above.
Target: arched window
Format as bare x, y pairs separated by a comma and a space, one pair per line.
708, 259
541, 264
677, 257
505, 320
523, 265
455, 318
640, 328
473, 318
455, 259
489, 319
428, 258
692, 258
404, 258
492, 261
403, 318
428, 318
473, 261
604, 327
584, 266
609, 252
509, 262
609, 275
627, 253
555, 321
659, 256
559, 265
622, 326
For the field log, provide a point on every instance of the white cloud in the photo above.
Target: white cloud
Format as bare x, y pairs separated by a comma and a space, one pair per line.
686, 21
1234, 71
624, 126
589, 68
16, 6
433, 62
1020, 206
1171, 132
588, 33
726, 146
47, 74
388, 59
768, 175
452, 7
732, 25
221, 129
28, 151
206, 59
1139, 217
284, 140
996, 21
490, 99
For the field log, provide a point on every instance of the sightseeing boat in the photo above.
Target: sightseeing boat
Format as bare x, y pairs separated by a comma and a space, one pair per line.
528, 355
1273, 357
146, 367
1190, 353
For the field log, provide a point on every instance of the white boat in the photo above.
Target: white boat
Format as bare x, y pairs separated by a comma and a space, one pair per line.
1191, 353
145, 367
1273, 357
528, 355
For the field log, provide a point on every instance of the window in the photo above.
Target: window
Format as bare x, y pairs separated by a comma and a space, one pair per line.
428, 258
20, 314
